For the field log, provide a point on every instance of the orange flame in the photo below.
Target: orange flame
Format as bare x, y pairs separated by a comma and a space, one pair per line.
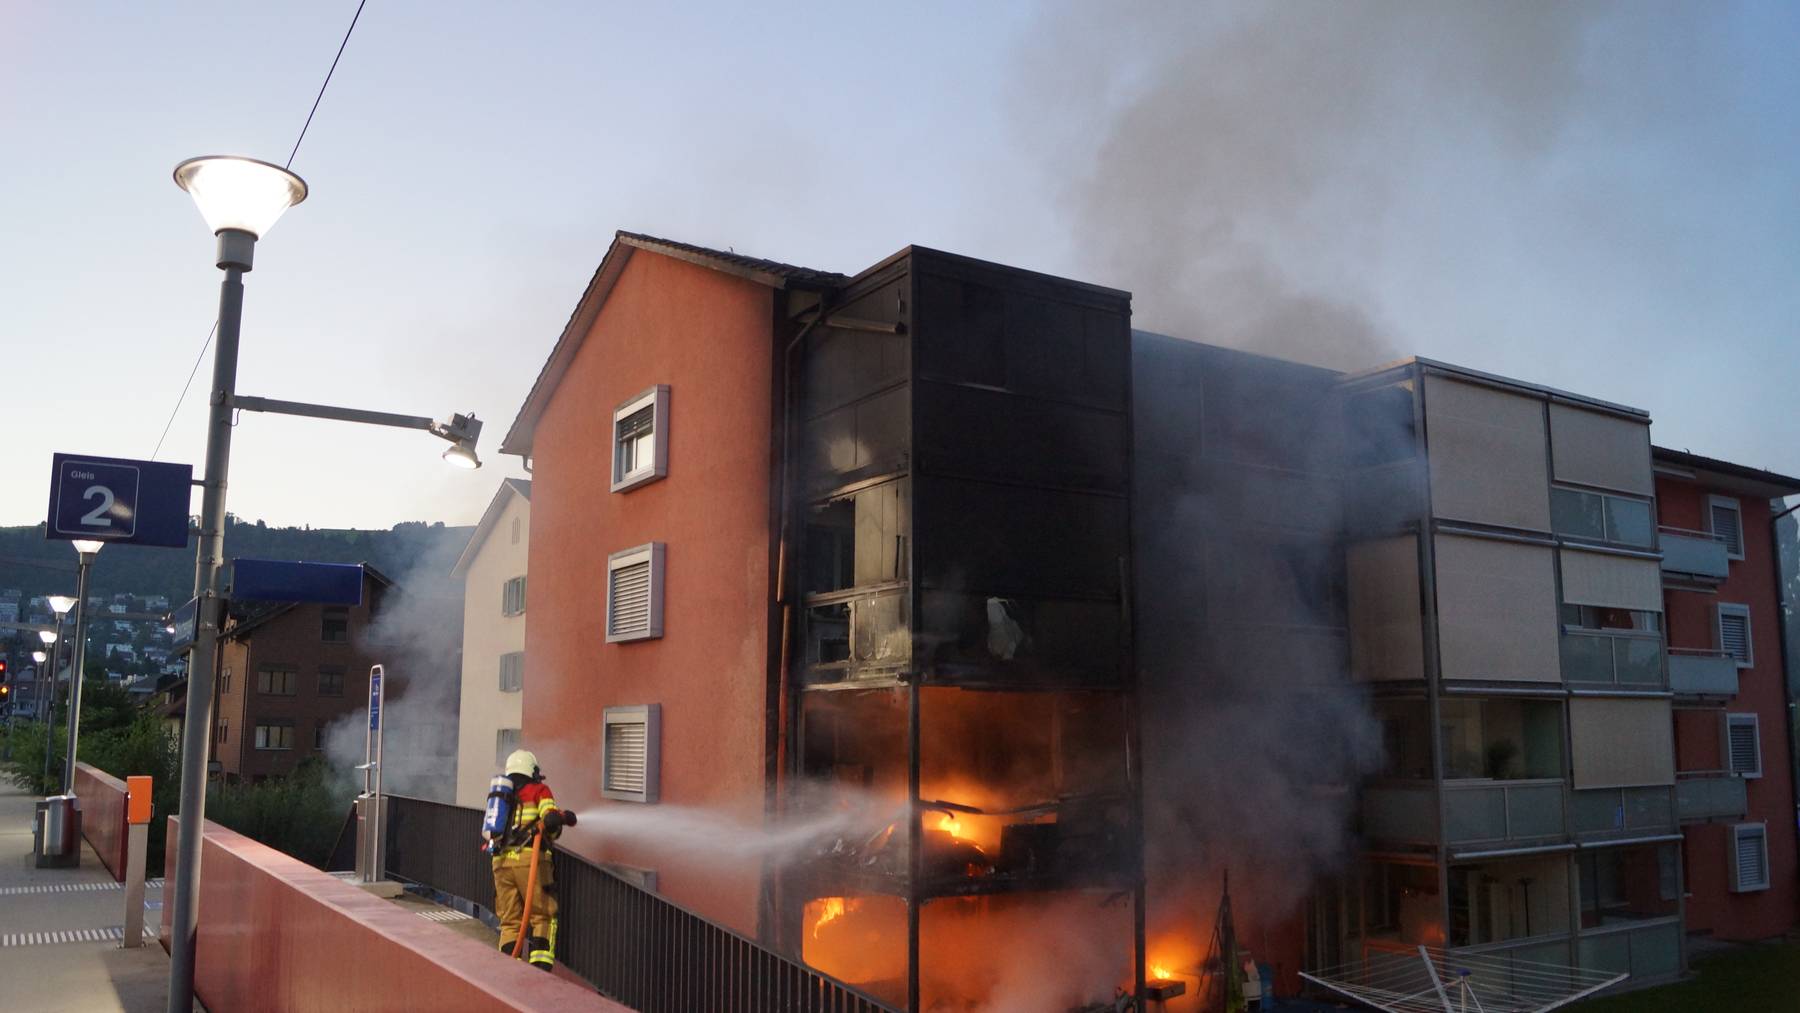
831, 909
1160, 973
949, 823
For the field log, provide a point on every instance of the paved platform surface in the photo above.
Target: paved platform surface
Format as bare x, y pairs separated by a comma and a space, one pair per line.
60, 930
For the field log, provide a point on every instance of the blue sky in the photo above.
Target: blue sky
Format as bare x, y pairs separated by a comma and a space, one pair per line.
1601, 198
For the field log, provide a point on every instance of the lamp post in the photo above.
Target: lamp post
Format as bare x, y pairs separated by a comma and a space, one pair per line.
240, 198
87, 550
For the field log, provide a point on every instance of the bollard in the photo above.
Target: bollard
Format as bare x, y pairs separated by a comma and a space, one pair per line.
137, 841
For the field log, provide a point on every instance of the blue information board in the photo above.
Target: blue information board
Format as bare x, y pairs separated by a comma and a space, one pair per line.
111, 499
287, 580
375, 699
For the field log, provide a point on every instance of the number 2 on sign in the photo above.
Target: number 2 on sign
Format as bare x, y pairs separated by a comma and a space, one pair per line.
97, 517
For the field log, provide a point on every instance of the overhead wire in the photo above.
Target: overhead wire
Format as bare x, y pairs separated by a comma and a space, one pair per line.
320, 97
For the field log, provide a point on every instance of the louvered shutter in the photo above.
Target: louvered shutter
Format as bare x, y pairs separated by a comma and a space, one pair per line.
1734, 633
630, 752
1750, 857
1727, 523
1744, 755
634, 594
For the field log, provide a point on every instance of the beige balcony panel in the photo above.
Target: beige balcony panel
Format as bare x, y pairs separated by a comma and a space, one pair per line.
1496, 611
1592, 448
1488, 461
1386, 632
1621, 742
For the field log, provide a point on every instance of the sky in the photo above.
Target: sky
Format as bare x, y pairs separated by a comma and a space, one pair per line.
1597, 197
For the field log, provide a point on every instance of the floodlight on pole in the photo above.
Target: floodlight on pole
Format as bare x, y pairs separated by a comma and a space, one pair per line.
87, 550
60, 604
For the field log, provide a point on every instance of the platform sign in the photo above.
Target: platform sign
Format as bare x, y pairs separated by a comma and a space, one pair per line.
287, 580
186, 621
111, 499
375, 701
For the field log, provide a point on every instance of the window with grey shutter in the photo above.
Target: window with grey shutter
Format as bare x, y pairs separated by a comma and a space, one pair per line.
512, 597
641, 439
634, 593
1726, 521
1734, 633
1749, 857
1743, 748
631, 752
505, 741
512, 672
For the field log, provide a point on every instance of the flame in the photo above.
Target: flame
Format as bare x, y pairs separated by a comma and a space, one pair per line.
831, 909
948, 822
1160, 973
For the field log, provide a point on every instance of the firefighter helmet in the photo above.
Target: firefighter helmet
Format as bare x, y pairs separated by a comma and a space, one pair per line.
522, 762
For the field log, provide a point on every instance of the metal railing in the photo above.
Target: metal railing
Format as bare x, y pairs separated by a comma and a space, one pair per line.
1710, 794
1700, 553
1502, 811
635, 946
1702, 672
1622, 812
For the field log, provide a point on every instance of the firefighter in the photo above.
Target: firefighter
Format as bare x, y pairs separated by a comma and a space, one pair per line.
530, 804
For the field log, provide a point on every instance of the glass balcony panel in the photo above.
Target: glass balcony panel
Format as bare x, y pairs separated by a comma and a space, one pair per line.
1534, 810
1474, 814
1597, 811
1638, 661
1587, 658
1648, 808
1578, 514
1712, 796
1656, 951
1628, 521
1694, 553
1609, 952
1400, 813
1703, 673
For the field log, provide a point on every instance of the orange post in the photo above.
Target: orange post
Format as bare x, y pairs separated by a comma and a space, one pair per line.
137, 799
537, 848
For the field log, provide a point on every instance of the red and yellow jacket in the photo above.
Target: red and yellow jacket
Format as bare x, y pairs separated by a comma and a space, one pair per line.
535, 803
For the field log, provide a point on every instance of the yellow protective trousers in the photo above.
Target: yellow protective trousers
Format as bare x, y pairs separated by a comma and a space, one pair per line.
511, 879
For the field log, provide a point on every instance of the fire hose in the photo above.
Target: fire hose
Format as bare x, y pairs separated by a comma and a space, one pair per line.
537, 848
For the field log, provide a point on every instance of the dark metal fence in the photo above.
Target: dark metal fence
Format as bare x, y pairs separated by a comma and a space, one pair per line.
634, 945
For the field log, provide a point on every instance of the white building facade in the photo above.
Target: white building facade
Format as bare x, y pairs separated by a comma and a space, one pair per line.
492, 567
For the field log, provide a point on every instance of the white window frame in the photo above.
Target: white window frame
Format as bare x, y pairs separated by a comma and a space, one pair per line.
657, 399
517, 683
1724, 608
1730, 503
650, 716
261, 737
1738, 831
653, 553
1755, 723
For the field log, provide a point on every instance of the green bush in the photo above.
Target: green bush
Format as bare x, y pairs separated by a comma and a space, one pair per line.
145, 746
24, 744
300, 814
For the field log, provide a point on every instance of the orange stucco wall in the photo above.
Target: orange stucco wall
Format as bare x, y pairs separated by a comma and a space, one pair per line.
708, 336
103, 816
277, 934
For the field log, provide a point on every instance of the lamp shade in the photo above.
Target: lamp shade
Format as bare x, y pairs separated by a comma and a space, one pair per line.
47, 636
86, 546
40, 657
239, 193
462, 457
60, 604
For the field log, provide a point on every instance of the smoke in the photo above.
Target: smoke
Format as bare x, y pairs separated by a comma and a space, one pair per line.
416, 637
1236, 166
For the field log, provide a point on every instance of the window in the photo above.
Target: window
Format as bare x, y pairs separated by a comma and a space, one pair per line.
641, 439
512, 672
512, 597
1505, 739
334, 626
1734, 633
1725, 519
515, 530
331, 680
225, 681
632, 753
1743, 745
1601, 644
219, 731
634, 580
319, 735
1749, 857
1581, 514
505, 741
275, 735
276, 680
1615, 884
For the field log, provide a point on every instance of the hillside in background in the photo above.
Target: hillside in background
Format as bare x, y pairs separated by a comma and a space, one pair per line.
36, 566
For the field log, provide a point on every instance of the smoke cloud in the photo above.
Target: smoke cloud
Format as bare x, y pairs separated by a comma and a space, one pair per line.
1235, 165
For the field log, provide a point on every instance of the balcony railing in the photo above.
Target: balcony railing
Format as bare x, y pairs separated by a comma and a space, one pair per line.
1501, 812
1647, 952
1622, 812
631, 943
1693, 553
1710, 794
1400, 813
1625, 660
1702, 673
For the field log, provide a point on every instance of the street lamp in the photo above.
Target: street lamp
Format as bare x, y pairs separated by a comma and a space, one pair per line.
87, 550
60, 605
240, 198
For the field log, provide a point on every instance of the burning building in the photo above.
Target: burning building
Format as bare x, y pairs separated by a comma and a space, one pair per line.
986, 635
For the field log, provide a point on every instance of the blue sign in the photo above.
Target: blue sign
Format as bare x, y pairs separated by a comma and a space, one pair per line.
109, 499
375, 699
185, 620
282, 580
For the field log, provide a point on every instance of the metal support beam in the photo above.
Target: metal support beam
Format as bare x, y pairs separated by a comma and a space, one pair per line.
319, 411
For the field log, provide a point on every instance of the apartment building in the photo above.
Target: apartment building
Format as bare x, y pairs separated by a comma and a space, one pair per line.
1734, 768
1505, 608
286, 674
492, 568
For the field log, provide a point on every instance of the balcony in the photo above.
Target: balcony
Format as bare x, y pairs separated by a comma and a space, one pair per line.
1503, 812
1710, 795
1693, 554
1702, 673
1600, 813
1400, 813
1624, 660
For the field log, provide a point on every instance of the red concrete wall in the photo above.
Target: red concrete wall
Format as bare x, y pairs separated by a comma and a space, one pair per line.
1711, 907
103, 816
708, 336
277, 934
